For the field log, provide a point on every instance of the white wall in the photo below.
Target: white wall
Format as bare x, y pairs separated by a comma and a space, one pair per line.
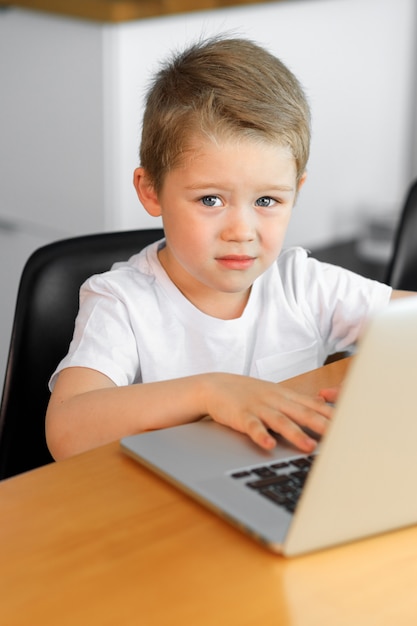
356, 61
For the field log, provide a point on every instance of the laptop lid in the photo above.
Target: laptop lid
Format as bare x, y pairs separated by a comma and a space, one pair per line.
365, 471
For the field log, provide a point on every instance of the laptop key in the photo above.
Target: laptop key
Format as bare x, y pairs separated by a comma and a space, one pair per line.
279, 465
302, 463
263, 472
241, 474
286, 500
278, 498
266, 482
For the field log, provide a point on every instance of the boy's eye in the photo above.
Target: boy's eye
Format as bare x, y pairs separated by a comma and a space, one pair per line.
211, 201
265, 201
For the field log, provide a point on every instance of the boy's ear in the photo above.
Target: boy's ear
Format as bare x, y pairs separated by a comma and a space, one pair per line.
302, 181
146, 192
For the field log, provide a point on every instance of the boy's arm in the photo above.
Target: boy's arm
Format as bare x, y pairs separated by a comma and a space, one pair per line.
398, 293
86, 409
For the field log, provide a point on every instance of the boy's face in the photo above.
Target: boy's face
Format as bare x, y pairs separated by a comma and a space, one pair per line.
225, 213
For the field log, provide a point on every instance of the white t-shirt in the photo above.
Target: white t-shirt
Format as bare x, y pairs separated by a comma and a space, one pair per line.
134, 325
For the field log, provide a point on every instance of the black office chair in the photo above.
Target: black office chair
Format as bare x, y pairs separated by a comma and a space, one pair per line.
46, 307
402, 268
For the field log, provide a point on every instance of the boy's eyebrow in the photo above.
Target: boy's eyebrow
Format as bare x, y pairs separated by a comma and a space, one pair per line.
205, 185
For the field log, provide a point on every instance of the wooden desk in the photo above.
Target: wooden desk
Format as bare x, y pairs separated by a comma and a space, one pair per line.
97, 540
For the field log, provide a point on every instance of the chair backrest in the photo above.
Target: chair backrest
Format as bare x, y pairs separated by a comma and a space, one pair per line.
46, 307
402, 268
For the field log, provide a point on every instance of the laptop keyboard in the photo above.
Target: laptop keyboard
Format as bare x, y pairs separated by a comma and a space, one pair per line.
281, 482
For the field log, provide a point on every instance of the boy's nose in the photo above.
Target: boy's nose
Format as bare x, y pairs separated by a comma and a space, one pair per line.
239, 226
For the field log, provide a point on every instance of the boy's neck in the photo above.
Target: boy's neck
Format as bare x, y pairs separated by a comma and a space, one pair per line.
227, 306
221, 305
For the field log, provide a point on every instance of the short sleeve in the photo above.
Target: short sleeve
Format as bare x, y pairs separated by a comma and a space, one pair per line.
337, 302
103, 337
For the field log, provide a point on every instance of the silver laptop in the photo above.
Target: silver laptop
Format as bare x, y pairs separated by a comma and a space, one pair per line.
360, 483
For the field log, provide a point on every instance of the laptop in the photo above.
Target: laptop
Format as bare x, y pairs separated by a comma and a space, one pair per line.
362, 479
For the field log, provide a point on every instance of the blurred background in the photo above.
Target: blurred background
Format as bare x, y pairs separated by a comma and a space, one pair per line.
72, 81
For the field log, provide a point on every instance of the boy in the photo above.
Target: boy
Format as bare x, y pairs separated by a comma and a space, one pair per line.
207, 320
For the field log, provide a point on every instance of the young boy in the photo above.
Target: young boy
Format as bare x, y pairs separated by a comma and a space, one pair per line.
206, 321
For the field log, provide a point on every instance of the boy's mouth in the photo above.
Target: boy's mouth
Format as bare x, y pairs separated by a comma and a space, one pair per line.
236, 261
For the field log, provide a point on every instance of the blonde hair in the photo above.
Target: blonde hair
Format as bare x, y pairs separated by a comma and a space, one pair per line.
222, 87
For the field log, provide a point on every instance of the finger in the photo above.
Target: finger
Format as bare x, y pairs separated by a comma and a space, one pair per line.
295, 435
318, 406
330, 394
314, 415
289, 400
258, 432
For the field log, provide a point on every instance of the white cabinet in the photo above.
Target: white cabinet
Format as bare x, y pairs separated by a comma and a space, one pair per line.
51, 122
51, 142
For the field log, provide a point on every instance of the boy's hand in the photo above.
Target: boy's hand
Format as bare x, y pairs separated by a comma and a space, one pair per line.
253, 406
